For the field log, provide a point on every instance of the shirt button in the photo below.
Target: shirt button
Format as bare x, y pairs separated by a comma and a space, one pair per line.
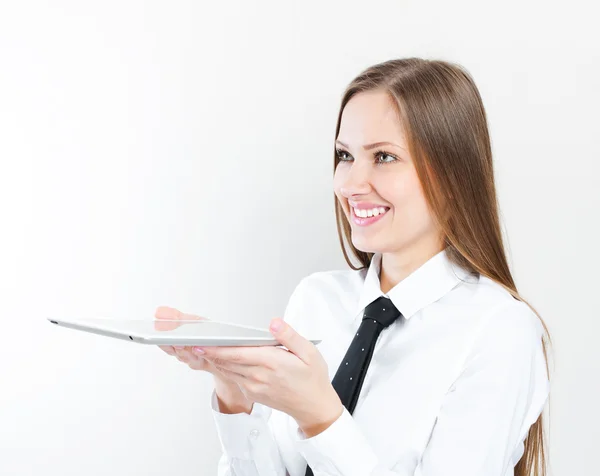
254, 434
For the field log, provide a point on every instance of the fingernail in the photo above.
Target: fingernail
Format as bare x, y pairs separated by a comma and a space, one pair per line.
276, 325
199, 350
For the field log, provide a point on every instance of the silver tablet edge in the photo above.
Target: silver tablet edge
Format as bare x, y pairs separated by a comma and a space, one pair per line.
144, 339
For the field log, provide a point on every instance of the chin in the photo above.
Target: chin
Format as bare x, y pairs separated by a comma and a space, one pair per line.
366, 248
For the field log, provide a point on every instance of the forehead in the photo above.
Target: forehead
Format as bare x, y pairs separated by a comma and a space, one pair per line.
370, 116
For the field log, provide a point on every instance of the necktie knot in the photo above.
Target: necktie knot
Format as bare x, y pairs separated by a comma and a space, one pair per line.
382, 310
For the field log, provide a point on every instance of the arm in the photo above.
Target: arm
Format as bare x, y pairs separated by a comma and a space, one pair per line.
247, 440
500, 394
483, 417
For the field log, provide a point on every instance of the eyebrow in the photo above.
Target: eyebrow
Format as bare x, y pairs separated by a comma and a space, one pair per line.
372, 146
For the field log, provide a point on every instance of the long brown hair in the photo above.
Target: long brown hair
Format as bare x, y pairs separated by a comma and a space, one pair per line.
445, 125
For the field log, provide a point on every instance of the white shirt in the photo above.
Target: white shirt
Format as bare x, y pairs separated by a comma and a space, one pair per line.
452, 388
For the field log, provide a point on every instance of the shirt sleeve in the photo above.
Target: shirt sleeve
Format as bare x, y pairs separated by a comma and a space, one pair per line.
483, 418
248, 444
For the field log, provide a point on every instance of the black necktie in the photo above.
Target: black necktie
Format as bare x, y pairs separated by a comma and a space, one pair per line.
350, 375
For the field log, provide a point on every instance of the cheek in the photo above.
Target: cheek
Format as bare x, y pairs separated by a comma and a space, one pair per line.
338, 182
410, 207
338, 177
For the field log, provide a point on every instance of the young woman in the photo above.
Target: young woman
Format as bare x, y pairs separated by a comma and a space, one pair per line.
458, 381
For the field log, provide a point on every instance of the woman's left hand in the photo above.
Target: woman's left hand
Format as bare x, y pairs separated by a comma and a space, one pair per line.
295, 381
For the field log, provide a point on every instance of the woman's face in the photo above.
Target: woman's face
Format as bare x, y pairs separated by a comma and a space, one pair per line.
383, 175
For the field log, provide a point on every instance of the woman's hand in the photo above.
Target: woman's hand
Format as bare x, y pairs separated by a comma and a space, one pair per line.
181, 353
295, 381
231, 399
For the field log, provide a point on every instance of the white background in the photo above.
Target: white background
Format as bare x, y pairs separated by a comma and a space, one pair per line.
180, 153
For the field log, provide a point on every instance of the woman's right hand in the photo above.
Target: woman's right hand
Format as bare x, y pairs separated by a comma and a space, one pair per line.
231, 398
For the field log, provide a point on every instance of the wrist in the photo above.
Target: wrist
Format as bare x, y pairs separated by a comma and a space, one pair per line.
316, 424
231, 399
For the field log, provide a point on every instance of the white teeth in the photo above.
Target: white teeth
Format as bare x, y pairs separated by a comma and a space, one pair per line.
369, 213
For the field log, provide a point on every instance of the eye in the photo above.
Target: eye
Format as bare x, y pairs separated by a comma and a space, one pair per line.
378, 154
383, 153
340, 153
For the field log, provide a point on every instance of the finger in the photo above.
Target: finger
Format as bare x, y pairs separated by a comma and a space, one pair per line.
168, 349
207, 366
247, 355
168, 318
231, 375
290, 338
186, 355
250, 372
179, 354
201, 364
166, 312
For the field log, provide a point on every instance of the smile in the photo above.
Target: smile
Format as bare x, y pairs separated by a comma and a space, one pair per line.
365, 221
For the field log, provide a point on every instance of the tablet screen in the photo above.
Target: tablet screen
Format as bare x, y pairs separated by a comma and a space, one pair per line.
168, 327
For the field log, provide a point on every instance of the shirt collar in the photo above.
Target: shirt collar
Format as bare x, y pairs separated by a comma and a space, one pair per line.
426, 284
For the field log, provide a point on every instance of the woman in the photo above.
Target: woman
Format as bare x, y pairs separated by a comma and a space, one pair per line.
458, 381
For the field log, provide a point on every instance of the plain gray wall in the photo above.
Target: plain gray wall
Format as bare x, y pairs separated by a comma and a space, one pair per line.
180, 153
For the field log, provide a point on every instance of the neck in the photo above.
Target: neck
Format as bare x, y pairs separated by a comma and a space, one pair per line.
397, 265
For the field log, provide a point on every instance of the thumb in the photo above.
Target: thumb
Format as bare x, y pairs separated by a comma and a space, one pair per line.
287, 336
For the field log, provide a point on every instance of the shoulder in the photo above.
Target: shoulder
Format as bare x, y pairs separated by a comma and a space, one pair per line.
317, 294
509, 349
508, 333
495, 329
330, 282
486, 309
492, 310
508, 317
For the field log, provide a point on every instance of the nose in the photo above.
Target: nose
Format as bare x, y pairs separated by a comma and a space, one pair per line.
357, 180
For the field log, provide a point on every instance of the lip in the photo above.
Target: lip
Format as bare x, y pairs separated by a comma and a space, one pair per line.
367, 221
367, 205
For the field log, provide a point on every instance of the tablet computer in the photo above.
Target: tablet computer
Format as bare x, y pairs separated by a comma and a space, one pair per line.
201, 332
